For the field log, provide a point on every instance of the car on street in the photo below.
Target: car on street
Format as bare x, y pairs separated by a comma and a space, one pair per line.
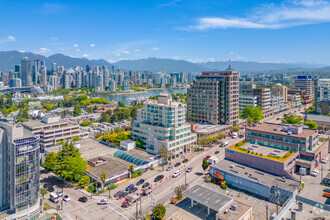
41, 180
185, 161
315, 172
118, 193
159, 178
224, 143
277, 118
169, 168
45, 185
326, 194
141, 181
66, 198
217, 152
129, 187
146, 191
327, 190
133, 190
83, 199
177, 164
241, 135
103, 202
176, 173
50, 189
145, 185
207, 157
189, 169
235, 135
324, 160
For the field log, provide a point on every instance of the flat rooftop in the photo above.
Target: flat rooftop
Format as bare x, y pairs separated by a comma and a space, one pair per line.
276, 129
207, 128
207, 197
140, 153
39, 123
259, 149
255, 175
112, 166
241, 209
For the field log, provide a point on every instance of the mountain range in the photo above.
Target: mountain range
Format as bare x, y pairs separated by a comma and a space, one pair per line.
8, 59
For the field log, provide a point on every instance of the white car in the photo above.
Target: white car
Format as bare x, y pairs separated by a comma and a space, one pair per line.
315, 172
66, 198
324, 160
103, 202
60, 193
176, 173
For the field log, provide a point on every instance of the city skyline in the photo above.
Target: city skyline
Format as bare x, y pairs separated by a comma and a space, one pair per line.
280, 32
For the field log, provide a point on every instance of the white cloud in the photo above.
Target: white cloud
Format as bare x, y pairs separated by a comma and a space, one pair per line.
11, 38
211, 59
77, 49
44, 50
137, 51
85, 55
126, 52
111, 61
197, 60
92, 45
176, 57
21, 51
231, 52
71, 56
288, 14
155, 49
117, 54
75, 45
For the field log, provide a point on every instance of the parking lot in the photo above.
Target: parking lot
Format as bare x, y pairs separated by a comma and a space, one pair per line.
313, 189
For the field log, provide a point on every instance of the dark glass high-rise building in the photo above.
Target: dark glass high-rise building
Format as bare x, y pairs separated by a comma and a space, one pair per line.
26, 71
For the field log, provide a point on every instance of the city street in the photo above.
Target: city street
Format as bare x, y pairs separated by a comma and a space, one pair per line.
162, 192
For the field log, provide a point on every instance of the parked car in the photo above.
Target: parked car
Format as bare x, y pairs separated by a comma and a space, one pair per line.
224, 143
277, 118
83, 199
169, 168
41, 180
103, 202
185, 161
235, 135
189, 169
326, 194
176, 173
133, 190
141, 181
45, 185
315, 172
66, 198
118, 193
159, 178
241, 135
145, 185
327, 190
324, 160
60, 193
217, 152
50, 189
146, 191
207, 157
177, 164
129, 187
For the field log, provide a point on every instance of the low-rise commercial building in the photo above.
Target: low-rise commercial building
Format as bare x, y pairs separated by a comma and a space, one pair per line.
162, 124
52, 130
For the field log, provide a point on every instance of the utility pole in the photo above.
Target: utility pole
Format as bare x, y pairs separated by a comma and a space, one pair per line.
137, 214
267, 211
321, 173
185, 178
109, 190
141, 207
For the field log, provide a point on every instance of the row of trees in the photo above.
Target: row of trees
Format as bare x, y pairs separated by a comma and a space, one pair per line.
297, 119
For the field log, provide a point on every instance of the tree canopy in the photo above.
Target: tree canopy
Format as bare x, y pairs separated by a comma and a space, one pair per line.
159, 212
311, 124
205, 164
292, 119
252, 114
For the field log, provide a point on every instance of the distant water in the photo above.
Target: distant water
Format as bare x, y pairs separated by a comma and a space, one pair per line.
127, 98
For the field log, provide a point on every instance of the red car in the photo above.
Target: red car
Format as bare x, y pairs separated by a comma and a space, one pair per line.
208, 157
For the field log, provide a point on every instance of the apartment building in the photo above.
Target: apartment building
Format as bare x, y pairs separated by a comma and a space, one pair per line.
322, 96
19, 173
162, 123
280, 90
213, 98
52, 130
305, 83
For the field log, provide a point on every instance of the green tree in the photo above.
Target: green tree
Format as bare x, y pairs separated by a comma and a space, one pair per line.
203, 141
76, 110
43, 192
164, 154
103, 178
84, 180
236, 128
50, 161
159, 212
121, 104
131, 169
49, 106
311, 124
257, 116
292, 119
252, 113
178, 191
205, 164
139, 143
104, 117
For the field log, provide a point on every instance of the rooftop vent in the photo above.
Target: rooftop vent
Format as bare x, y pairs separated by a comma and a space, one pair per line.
233, 207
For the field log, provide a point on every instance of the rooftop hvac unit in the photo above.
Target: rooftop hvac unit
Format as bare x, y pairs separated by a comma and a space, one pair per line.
233, 207
289, 132
284, 128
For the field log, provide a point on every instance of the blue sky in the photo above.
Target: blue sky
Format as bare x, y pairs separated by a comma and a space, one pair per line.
194, 30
